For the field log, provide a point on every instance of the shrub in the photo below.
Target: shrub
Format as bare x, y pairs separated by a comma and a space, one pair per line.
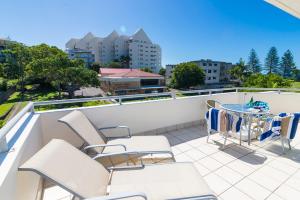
3, 85
267, 81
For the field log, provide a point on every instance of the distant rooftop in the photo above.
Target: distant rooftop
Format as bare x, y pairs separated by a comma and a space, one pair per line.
126, 73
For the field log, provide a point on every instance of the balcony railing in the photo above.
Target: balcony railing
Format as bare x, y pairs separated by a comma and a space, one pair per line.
173, 95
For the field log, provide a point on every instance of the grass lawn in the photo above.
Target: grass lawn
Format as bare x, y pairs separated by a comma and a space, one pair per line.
35, 93
4, 108
296, 85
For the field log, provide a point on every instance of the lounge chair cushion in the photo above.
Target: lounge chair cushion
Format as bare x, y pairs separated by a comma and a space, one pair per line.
70, 168
161, 181
81, 125
140, 143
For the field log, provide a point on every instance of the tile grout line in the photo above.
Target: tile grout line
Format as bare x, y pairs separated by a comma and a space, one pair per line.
282, 184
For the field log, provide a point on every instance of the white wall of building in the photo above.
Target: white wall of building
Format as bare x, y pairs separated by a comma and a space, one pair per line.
142, 52
215, 71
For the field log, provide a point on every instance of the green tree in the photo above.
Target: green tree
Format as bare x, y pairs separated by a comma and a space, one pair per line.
57, 70
1, 69
96, 67
17, 57
267, 81
162, 71
253, 62
239, 71
296, 74
41, 55
78, 76
287, 64
146, 69
186, 75
125, 60
114, 65
272, 61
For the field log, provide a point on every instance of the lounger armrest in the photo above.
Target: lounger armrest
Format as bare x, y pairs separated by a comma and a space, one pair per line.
117, 127
104, 145
202, 197
121, 196
127, 153
139, 153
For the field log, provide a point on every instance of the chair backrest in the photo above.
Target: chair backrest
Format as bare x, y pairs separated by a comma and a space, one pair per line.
82, 126
289, 124
212, 104
69, 168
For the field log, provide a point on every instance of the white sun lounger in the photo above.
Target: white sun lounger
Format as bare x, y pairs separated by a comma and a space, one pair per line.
157, 146
86, 178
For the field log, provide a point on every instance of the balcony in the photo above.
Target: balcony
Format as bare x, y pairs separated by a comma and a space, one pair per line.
258, 171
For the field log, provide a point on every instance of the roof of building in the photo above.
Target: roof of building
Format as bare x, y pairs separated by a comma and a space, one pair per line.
126, 73
290, 6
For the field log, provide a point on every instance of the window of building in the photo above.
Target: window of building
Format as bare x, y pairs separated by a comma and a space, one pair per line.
208, 78
149, 82
209, 71
204, 64
215, 71
215, 64
214, 78
209, 64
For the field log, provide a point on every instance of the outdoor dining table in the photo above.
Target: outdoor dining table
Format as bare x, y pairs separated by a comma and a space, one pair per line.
245, 112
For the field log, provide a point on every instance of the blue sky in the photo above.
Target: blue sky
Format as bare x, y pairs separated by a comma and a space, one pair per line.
185, 29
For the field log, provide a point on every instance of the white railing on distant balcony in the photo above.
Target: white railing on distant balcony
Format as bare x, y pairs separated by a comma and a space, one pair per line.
31, 105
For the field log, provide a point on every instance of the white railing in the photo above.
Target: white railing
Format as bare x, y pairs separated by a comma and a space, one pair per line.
30, 106
10, 124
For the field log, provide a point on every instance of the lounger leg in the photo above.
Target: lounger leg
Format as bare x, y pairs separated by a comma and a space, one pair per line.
225, 139
208, 134
289, 143
282, 144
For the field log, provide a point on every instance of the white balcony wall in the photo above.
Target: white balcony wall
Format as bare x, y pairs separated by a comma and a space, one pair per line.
25, 139
139, 116
278, 102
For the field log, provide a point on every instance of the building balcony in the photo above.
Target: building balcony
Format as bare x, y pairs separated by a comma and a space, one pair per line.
256, 171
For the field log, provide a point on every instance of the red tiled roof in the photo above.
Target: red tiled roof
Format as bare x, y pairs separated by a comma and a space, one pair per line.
114, 72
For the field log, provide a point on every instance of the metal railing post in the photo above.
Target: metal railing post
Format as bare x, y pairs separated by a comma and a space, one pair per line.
209, 92
173, 94
120, 100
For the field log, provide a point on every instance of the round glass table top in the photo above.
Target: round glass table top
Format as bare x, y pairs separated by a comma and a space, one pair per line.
243, 108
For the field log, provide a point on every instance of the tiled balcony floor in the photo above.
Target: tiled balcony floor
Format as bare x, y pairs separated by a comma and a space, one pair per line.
258, 171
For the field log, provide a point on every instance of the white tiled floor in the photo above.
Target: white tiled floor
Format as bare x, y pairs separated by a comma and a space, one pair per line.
258, 171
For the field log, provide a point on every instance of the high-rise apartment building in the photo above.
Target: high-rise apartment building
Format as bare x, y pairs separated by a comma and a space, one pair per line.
138, 47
